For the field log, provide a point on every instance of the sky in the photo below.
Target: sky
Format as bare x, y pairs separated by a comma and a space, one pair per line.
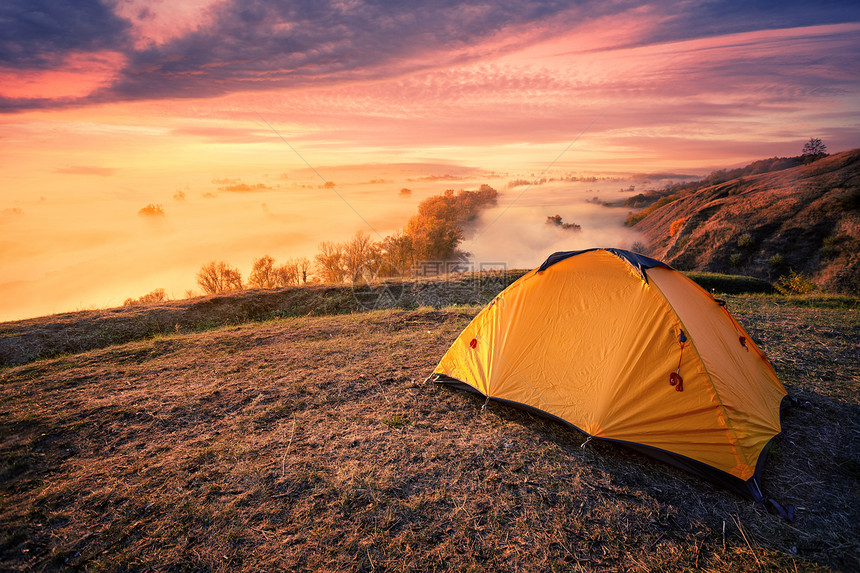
232, 115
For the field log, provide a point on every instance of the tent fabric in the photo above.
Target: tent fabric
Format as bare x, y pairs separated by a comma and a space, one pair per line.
592, 337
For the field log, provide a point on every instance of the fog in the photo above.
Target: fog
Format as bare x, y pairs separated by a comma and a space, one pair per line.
516, 233
87, 249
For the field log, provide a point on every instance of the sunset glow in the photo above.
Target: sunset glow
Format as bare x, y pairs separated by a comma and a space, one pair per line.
233, 116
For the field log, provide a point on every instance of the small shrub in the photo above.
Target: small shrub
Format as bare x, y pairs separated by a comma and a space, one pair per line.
775, 261
158, 295
851, 200
640, 247
676, 226
396, 421
746, 241
828, 251
830, 248
736, 259
794, 283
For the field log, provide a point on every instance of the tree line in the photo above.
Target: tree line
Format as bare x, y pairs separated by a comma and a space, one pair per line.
433, 234
217, 276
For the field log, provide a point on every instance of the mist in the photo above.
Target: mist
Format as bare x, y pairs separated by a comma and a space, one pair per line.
515, 233
88, 249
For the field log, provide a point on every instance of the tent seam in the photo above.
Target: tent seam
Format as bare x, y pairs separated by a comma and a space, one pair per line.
700, 365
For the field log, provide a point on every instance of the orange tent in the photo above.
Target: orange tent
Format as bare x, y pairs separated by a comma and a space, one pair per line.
627, 349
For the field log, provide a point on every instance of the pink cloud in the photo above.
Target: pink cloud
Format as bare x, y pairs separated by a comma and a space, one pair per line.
750, 86
159, 22
80, 74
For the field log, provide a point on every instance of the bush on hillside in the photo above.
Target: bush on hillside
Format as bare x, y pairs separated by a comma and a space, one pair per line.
157, 295
676, 226
795, 283
746, 241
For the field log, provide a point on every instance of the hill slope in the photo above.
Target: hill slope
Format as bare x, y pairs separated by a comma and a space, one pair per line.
313, 444
805, 218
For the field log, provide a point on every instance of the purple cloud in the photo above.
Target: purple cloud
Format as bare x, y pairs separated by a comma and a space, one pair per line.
266, 44
39, 34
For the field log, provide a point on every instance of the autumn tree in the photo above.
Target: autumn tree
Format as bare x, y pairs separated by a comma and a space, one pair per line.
218, 277
433, 234
470, 203
438, 228
263, 273
434, 238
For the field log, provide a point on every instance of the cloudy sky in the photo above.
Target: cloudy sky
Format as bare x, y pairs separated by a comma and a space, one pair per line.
230, 113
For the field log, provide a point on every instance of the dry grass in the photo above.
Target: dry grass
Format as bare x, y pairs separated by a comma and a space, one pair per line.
804, 218
47, 337
313, 444
32, 339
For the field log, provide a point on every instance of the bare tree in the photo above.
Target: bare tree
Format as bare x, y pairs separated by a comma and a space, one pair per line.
814, 148
217, 277
360, 252
399, 253
303, 267
330, 262
287, 274
263, 273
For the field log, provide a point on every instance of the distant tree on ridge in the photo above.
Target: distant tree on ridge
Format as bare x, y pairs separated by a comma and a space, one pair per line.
814, 149
218, 277
263, 273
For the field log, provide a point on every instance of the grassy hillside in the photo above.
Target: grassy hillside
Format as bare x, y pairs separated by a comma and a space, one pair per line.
44, 337
23, 341
805, 218
312, 443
